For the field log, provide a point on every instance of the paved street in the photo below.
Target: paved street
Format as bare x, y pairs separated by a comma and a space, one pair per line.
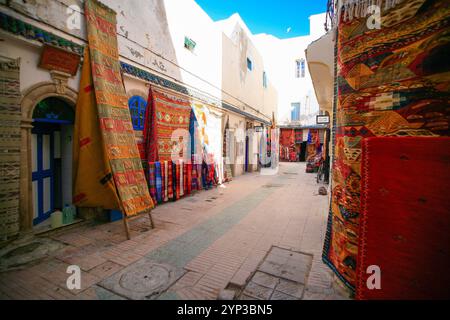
201, 244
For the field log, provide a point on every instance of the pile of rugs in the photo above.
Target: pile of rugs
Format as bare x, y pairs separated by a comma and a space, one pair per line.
394, 86
171, 180
176, 148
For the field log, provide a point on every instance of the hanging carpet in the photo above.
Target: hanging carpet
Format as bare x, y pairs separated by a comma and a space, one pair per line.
119, 145
166, 128
391, 81
405, 218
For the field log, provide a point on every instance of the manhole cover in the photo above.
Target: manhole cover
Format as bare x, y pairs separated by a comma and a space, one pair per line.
19, 255
27, 248
143, 280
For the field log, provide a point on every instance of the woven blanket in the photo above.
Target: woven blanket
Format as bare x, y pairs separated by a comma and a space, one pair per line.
94, 185
152, 180
188, 178
158, 182
10, 137
175, 179
180, 181
393, 81
113, 112
166, 127
287, 143
185, 178
169, 180
164, 168
404, 230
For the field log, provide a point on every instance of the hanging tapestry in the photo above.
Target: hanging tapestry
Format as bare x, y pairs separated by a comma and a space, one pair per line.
151, 178
209, 129
158, 182
188, 178
166, 128
10, 140
169, 180
164, 173
298, 136
392, 81
113, 112
93, 179
287, 144
403, 230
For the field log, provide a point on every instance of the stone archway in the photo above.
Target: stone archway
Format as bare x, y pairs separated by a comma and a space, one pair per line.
59, 89
137, 92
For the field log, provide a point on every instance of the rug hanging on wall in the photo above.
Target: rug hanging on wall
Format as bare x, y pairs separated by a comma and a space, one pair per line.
287, 144
405, 231
113, 112
166, 128
10, 118
392, 81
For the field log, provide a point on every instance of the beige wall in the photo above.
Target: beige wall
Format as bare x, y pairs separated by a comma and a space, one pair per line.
242, 87
280, 56
320, 57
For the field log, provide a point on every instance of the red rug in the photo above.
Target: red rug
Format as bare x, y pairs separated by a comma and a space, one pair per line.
405, 218
166, 128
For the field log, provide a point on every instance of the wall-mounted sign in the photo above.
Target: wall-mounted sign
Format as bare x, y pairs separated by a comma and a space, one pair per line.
322, 119
53, 58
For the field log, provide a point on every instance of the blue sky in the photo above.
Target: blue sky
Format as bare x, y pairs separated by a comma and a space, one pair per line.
268, 16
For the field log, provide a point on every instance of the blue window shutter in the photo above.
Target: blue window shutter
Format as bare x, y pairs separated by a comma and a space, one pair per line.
137, 106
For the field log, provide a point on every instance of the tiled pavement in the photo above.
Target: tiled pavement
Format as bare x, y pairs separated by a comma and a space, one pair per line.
215, 237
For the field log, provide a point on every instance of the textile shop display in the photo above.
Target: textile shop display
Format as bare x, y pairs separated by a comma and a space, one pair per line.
392, 81
92, 174
287, 145
10, 140
405, 230
151, 178
176, 180
209, 137
298, 136
169, 183
119, 143
166, 128
158, 182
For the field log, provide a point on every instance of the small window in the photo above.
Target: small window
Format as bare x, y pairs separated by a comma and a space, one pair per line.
189, 44
300, 68
249, 64
137, 106
295, 111
264, 79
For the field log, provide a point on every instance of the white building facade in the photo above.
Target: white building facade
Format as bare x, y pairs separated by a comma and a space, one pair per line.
288, 69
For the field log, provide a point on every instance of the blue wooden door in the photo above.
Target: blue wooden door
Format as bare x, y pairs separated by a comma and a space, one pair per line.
43, 171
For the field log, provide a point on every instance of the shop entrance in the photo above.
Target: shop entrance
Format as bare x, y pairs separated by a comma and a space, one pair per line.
51, 157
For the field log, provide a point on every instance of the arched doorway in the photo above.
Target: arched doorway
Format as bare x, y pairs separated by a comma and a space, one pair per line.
51, 157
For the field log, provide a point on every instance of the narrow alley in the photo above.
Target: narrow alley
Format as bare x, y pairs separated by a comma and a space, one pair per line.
207, 241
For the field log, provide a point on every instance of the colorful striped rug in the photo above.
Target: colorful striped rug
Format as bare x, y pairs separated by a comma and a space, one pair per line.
393, 81
113, 112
